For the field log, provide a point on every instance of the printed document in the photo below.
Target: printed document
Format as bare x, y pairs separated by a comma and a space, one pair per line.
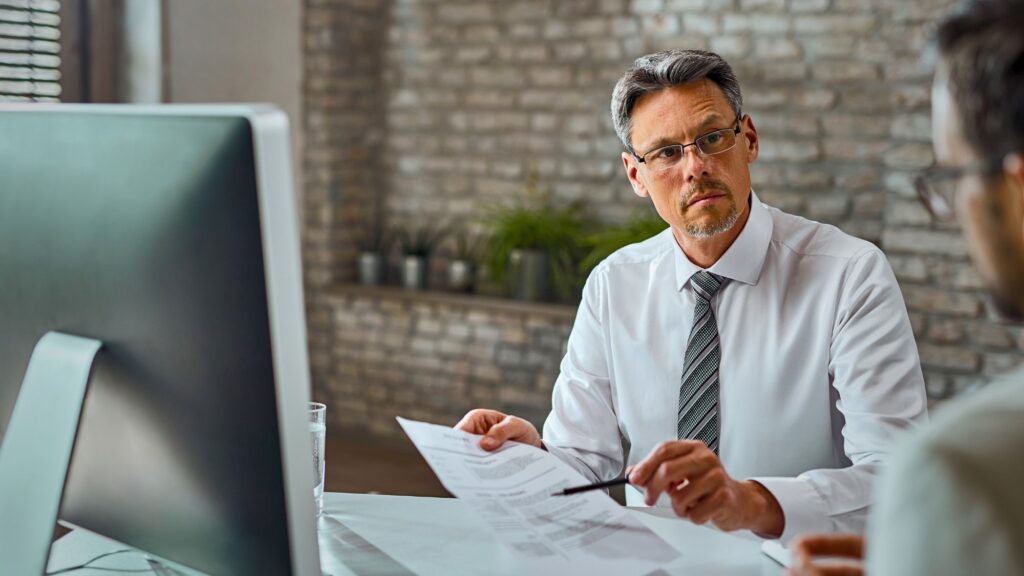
511, 489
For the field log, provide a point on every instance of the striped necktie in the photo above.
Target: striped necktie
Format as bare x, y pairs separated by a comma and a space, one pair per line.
697, 417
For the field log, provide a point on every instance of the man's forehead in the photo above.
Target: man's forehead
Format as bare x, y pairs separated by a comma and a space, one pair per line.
693, 99
679, 110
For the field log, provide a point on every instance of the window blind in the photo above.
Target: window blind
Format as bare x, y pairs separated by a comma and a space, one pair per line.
30, 50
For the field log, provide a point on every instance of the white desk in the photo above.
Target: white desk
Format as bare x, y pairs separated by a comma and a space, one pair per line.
369, 535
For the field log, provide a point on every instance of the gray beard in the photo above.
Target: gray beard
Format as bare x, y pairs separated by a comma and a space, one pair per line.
704, 232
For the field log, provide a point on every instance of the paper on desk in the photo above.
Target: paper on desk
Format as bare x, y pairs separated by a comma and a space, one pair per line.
510, 488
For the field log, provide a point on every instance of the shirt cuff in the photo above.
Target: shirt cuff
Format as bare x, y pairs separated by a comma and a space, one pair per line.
575, 463
802, 507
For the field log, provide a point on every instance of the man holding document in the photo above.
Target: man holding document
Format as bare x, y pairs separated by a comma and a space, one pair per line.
757, 365
511, 490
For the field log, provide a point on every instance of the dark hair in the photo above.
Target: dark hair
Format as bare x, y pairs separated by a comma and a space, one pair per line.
981, 44
661, 70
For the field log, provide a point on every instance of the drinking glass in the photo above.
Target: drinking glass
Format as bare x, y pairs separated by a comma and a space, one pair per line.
318, 435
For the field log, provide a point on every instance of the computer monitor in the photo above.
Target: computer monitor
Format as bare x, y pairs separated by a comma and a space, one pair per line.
169, 234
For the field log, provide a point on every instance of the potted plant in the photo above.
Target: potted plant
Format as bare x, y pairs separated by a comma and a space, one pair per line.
462, 265
534, 247
372, 256
417, 245
601, 245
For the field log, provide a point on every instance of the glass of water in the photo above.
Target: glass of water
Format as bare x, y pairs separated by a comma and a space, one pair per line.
318, 435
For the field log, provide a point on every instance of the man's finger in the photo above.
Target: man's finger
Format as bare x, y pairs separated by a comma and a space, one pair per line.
467, 424
846, 569
697, 488
666, 450
688, 467
843, 545
706, 507
479, 421
509, 428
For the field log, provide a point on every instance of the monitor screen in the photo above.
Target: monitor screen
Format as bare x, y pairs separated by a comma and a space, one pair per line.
168, 234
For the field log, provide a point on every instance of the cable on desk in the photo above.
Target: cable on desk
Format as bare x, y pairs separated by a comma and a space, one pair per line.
100, 557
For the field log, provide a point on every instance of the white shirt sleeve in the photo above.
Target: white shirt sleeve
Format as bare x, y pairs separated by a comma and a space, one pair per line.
582, 428
878, 387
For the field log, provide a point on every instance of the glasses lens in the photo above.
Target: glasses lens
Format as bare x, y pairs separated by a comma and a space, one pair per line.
664, 158
716, 142
936, 195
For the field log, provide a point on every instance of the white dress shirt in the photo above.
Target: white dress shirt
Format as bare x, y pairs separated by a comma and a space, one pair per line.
950, 500
819, 368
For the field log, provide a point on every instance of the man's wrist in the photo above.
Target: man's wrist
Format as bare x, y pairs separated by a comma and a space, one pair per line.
769, 520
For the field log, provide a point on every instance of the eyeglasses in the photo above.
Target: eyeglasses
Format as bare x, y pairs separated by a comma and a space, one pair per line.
936, 187
667, 157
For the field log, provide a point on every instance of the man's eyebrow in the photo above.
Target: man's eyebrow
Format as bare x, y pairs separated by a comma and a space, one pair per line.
710, 122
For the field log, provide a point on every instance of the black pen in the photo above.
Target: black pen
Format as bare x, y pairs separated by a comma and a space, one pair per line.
578, 489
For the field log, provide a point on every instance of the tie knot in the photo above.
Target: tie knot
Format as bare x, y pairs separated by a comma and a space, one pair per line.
706, 284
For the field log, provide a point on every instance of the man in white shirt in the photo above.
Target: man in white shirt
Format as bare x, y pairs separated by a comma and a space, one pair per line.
951, 501
757, 364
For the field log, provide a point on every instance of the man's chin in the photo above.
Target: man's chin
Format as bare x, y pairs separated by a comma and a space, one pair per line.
709, 228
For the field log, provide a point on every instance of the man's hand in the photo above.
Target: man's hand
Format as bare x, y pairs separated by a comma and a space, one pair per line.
848, 546
498, 428
702, 492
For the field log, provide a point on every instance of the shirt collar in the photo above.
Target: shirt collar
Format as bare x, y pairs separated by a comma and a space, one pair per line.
743, 260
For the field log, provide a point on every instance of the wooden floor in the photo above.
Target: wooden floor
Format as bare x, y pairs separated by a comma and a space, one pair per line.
358, 466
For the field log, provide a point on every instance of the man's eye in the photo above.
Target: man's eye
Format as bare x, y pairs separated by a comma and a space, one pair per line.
666, 153
713, 138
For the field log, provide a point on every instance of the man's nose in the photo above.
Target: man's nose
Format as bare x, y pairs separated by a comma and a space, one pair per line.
694, 164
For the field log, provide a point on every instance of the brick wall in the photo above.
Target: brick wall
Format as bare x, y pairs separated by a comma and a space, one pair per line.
434, 357
442, 108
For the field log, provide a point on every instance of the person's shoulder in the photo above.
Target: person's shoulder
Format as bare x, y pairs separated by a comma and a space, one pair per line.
809, 238
638, 254
997, 408
980, 430
949, 499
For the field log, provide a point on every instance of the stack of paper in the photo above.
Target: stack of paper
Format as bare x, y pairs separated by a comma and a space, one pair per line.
511, 488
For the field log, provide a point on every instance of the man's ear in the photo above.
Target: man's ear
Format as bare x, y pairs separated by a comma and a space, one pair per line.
750, 137
632, 172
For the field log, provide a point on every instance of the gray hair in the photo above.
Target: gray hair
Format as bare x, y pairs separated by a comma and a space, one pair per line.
666, 69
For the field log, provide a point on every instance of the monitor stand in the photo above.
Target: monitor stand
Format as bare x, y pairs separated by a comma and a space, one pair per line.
37, 448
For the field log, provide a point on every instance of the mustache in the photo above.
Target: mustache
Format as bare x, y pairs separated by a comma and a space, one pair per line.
702, 187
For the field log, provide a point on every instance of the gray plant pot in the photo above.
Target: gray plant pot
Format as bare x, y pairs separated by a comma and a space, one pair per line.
371, 268
530, 272
461, 274
414, 272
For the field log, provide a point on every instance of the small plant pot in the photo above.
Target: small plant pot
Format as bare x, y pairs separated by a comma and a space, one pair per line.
530, 273
371, 268
461, 274
414, 272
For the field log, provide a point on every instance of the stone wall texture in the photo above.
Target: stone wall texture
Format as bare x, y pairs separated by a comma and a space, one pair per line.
421, 111
435, 357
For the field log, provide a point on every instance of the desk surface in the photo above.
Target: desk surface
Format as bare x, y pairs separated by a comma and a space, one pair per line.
370, 535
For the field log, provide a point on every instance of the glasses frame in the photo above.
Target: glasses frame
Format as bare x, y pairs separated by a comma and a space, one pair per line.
682, 147
936, 203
